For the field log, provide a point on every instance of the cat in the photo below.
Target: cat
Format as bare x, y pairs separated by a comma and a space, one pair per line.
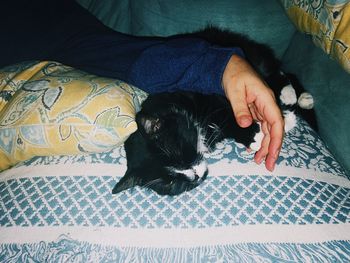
176, 130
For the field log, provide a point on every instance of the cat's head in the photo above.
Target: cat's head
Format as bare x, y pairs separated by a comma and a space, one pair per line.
172, 147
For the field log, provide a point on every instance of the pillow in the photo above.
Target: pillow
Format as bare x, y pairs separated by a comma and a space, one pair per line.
328, 24
48, 108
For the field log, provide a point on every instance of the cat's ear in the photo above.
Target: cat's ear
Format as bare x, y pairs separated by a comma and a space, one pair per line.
151, 125
129, 180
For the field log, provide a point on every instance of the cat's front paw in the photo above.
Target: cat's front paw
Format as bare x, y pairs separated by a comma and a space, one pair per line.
257, 139
251, 137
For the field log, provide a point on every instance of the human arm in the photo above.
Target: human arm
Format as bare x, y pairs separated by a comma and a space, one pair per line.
151, 64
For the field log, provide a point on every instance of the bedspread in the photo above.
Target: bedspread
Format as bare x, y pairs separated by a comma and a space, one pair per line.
60, 209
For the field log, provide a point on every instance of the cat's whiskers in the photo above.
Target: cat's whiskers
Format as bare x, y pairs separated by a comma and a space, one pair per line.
216, 132
212, 139
153, 182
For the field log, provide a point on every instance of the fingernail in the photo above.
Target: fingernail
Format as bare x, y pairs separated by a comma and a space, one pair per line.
258, 160
271, 168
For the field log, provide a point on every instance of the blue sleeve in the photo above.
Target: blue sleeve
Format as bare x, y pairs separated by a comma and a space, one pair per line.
151, 64
181, 64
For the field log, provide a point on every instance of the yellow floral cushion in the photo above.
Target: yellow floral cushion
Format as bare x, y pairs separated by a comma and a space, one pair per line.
48, 108
328, 22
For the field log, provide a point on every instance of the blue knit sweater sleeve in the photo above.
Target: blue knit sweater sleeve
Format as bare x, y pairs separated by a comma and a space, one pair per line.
181, 64
151, 64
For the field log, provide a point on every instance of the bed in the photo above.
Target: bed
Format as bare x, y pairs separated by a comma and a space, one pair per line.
59, 208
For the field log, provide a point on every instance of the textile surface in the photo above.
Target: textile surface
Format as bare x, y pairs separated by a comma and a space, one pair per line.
47, 108
263, 21
60, 209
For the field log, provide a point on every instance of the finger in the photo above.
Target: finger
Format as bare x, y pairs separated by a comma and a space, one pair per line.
276, 134
272, 115
240, 107
263, 151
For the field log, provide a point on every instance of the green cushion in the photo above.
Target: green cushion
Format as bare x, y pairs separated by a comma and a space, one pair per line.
264, 21
329, 84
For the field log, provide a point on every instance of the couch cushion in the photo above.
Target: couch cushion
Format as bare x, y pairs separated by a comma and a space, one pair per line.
47, 108
264, 21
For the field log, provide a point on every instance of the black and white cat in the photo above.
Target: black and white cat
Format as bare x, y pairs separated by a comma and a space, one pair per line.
176, 130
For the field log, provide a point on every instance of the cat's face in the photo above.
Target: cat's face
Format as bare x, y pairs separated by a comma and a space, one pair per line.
175, 145
177, 142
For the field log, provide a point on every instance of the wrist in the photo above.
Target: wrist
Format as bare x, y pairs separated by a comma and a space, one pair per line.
238, 72
233, 69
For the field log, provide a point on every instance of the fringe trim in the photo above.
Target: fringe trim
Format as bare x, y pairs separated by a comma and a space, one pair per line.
69, 250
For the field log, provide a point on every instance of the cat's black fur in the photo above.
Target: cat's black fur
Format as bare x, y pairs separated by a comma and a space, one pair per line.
175, 130
260, 56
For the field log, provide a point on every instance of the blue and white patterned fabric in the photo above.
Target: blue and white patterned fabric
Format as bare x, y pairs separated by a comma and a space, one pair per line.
60, 209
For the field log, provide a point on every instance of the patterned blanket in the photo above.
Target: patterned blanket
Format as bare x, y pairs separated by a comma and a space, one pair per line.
60, 209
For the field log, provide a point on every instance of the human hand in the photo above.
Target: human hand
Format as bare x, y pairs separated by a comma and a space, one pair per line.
252, 99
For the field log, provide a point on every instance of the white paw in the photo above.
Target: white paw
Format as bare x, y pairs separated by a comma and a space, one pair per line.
290, 120
306, 101
255, 146
288, 95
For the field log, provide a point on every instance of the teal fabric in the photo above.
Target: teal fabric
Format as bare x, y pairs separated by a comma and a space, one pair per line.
113, 13
263, 21
329, 84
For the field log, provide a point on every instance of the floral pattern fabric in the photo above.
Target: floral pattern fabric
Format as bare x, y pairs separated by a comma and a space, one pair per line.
47, 108
327, 21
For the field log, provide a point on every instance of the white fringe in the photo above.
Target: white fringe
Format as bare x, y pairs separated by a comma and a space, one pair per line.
68, 250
